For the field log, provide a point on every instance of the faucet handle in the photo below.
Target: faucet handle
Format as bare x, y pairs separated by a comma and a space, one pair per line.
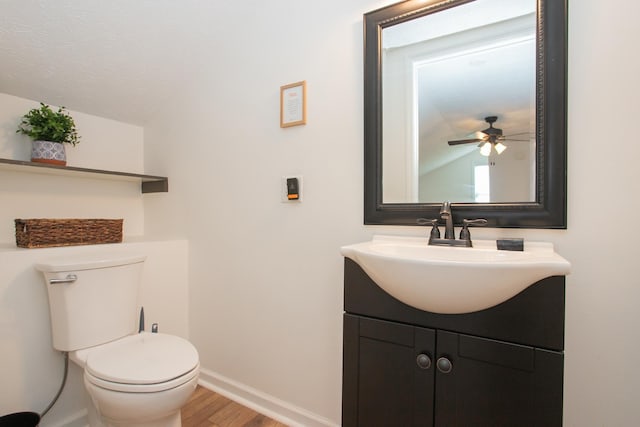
464, 233
435, 231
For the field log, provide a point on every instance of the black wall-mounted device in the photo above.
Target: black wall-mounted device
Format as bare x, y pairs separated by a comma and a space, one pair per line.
293, 189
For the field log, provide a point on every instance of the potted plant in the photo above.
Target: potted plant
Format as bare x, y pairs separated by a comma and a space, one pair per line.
49, 131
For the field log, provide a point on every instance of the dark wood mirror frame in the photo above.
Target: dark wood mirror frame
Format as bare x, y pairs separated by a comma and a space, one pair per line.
549, 209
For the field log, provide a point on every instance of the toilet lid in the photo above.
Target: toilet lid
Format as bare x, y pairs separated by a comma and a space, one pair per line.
143, 358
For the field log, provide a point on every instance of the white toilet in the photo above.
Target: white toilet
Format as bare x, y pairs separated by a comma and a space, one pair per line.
133, 379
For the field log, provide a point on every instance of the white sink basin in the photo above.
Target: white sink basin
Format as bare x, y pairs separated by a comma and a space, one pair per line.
453, 280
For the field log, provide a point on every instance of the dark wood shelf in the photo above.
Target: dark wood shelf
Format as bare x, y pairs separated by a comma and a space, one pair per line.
148, 183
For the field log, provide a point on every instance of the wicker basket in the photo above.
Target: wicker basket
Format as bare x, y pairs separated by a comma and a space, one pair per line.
45, 233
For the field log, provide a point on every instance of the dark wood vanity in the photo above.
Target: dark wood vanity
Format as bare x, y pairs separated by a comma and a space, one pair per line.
502, 366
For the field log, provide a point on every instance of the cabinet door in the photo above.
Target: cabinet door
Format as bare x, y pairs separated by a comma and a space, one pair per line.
388, 374
494, 383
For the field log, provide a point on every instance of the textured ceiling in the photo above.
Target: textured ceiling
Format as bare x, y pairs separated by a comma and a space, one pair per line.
119, 59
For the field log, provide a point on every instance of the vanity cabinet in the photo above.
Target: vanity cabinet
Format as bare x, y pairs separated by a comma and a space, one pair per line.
498, 367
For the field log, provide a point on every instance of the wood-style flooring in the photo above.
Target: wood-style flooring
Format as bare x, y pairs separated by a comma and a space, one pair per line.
208, 409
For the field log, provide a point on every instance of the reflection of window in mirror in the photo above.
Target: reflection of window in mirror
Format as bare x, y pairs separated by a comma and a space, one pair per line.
442, 76
481, 184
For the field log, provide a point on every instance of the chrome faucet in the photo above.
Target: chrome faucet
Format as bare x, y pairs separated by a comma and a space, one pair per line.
447, 216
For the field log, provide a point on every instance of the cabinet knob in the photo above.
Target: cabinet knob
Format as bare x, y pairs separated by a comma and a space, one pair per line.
423, 361
444, 365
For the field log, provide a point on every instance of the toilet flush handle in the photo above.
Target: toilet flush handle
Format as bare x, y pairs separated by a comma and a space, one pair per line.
69, 279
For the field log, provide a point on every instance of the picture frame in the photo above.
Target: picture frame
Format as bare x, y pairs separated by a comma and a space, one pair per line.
293, 104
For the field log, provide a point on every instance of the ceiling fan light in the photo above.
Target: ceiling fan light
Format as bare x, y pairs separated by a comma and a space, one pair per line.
500, 147
485, 150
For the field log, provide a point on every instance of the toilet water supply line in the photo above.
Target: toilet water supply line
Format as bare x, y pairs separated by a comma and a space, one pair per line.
154, 327
66, 365
64, 381
141, 322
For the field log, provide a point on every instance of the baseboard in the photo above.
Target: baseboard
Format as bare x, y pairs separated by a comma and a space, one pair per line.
268, 405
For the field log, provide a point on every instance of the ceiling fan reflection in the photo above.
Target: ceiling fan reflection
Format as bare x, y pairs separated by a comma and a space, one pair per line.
490, 138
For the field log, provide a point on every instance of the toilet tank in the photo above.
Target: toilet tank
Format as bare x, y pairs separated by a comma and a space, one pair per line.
93, 299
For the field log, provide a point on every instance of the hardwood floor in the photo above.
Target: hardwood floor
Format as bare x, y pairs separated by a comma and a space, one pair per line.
208, 409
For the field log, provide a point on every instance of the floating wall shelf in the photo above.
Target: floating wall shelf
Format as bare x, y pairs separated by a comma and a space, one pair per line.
148, 183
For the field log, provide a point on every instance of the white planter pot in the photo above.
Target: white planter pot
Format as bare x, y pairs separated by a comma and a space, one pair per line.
48, 152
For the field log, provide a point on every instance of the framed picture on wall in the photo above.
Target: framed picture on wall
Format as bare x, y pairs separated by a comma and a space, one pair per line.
293, 104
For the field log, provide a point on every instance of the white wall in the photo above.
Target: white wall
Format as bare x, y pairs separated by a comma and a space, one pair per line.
266, 277
604, 290
399, 151
513, 173
454, 181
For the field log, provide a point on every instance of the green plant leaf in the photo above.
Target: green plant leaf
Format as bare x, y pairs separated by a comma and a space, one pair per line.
46, 125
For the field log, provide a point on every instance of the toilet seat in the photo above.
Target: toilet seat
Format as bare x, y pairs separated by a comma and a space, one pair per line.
143, 362
142, 388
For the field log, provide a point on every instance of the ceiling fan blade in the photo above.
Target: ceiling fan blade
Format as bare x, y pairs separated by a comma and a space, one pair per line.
478, 134
519, 133
465, 141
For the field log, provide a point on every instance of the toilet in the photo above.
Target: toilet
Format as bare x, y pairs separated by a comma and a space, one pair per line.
133, 379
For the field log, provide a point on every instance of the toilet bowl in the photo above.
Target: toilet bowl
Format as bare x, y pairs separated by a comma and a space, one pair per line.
142, 379
133, 379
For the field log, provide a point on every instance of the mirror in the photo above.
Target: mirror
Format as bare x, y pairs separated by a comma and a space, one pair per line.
465, 100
